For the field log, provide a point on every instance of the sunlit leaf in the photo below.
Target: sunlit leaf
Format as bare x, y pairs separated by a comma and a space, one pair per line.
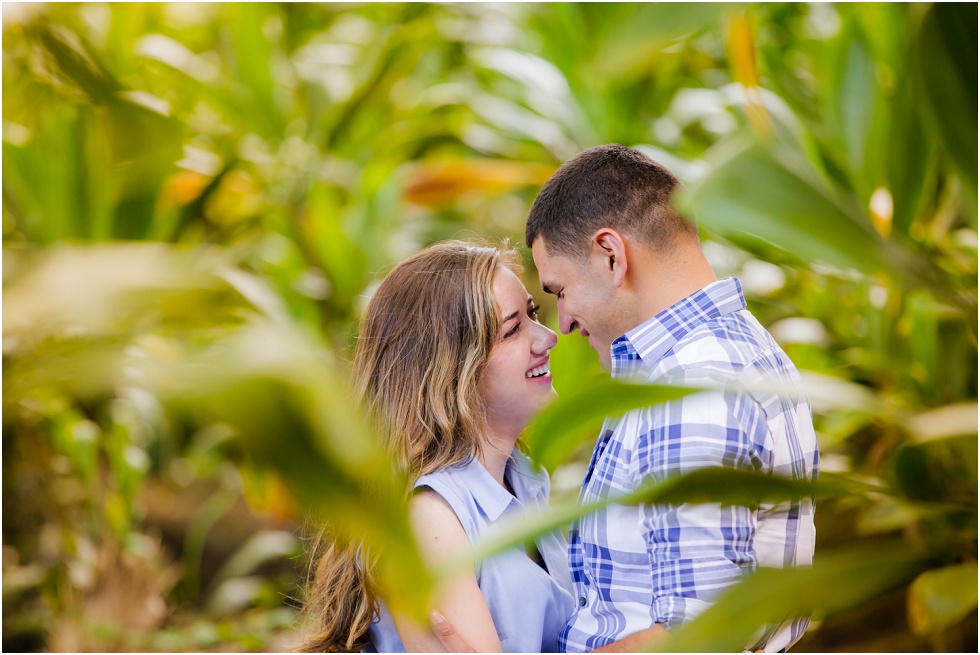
260, 548
292, 411
439, 183
95, 290
341, 257
941, 597
254, 62
837, 582
756, 194
949, 421
856, 97
631, 44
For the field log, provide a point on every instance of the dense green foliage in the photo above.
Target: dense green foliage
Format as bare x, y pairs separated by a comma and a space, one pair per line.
197, 197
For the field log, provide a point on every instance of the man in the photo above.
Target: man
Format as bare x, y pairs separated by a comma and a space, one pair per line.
630, 276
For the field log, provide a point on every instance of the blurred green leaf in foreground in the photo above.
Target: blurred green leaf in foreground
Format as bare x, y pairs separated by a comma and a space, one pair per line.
198, 198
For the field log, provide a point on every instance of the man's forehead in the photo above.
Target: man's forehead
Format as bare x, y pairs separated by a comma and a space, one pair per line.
549, 266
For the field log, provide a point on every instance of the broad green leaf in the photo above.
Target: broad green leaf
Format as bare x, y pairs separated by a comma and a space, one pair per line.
578, 416
292, 410
631, 44
340, 256
921, 317
910, 155
75, 63
757, 194
941, 597
837, 582
945, 54
252, 44
856, 96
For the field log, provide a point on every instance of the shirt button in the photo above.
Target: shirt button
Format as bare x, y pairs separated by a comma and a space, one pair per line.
582, 601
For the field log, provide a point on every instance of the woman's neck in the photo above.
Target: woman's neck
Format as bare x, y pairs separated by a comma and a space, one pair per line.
495, 453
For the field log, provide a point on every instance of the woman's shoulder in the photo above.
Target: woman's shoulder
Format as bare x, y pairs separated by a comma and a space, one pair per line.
454, 477
447, 489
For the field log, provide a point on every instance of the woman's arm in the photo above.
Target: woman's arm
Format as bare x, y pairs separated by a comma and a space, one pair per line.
440, 537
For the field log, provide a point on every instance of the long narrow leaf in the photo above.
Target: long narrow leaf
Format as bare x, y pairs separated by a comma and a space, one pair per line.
709, 485
578, 416
836, 583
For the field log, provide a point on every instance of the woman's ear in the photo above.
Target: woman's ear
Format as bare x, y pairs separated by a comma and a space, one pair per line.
610, 246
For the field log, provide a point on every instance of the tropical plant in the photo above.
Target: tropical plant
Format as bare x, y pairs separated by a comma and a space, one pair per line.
196, 199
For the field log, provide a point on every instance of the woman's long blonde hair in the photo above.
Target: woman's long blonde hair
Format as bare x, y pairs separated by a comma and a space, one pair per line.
421, 354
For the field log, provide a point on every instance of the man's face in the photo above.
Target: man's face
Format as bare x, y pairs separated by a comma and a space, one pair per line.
584, 297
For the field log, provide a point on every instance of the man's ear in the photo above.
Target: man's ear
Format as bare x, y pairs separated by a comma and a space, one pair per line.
610, 246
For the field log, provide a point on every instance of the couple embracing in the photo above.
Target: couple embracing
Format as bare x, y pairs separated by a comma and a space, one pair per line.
453, 362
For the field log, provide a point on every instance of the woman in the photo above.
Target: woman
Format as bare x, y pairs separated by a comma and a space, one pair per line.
453, 362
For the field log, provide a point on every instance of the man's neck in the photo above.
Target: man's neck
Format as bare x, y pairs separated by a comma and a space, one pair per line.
663, 280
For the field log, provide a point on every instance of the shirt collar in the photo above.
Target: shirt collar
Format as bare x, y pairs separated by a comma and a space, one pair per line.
647, 343
528, 483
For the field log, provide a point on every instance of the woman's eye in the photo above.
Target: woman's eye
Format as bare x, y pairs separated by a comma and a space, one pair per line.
511, 332
533, 312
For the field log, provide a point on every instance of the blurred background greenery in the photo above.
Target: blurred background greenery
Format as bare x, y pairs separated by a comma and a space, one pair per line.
198, 198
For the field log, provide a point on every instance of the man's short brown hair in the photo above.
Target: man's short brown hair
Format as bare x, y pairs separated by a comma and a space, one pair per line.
606, 186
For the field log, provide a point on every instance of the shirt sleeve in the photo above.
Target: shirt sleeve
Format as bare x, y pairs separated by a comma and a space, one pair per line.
698, 551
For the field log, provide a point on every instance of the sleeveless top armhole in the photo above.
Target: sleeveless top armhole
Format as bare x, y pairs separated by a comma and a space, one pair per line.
439, 484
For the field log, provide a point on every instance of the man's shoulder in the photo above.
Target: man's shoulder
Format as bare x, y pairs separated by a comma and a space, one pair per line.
731, 341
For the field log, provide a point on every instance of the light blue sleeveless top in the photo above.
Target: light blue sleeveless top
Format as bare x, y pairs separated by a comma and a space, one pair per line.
529, 606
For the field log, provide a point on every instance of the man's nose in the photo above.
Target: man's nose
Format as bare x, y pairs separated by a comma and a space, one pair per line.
566, 323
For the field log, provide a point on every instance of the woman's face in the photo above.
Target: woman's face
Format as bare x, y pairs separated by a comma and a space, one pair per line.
518, 379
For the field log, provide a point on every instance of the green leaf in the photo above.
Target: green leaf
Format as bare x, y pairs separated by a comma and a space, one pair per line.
291, 407
910, 155
941, 597
76, 63
254, 59
757, 194
945, 54
341, 257
632, 43
941, 470
578, 416
771, 195
857, 94
708, 485
837, 582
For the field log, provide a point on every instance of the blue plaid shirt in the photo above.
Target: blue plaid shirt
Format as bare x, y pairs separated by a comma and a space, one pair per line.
636, 566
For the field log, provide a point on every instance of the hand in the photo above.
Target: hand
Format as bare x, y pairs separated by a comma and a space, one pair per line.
446, 634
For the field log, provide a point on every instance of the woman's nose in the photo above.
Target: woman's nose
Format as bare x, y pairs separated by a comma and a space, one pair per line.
545, 339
